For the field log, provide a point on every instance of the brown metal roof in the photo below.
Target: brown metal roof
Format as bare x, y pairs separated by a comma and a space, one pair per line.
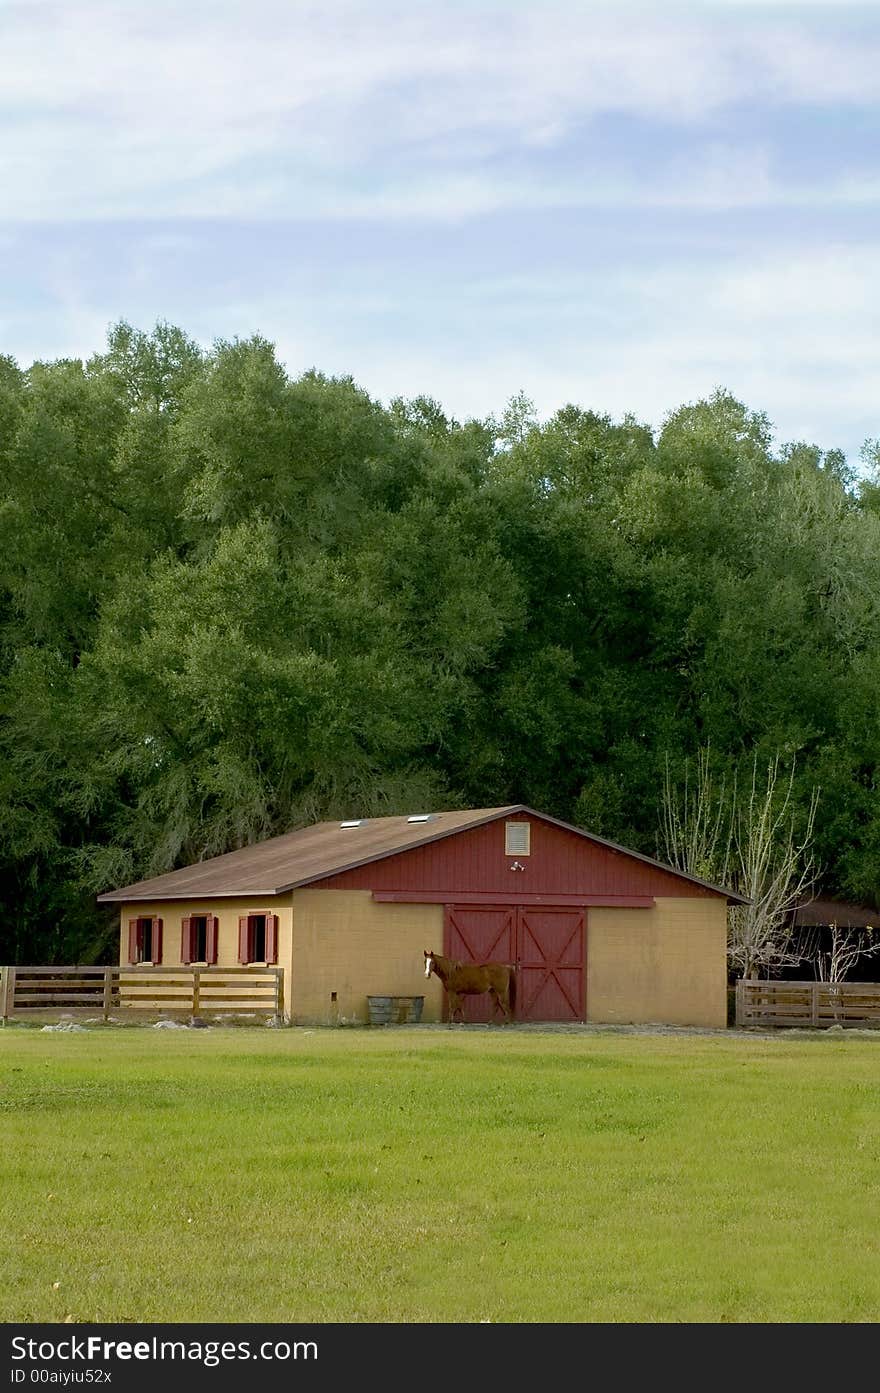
840, 912
326, 848
283, 863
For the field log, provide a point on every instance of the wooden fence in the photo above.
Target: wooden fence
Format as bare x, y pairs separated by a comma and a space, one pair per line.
812, 1004
193, 991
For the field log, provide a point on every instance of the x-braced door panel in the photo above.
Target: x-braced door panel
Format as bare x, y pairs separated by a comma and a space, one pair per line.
550, 957
476, 934
547, 945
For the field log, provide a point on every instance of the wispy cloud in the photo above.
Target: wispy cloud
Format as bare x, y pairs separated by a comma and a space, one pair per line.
285, 109
619, 205
793, 333
790, 330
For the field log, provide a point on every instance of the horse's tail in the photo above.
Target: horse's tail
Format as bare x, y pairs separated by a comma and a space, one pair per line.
512, 989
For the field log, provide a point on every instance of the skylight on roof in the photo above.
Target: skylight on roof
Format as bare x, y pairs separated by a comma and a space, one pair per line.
353, 822
421, 817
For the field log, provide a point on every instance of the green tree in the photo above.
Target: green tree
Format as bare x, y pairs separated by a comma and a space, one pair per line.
233, 602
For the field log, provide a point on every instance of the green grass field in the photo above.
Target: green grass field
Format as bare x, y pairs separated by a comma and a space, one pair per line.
421, 1174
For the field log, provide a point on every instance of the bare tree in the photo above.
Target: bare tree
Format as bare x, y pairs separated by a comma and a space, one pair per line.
774, 868
695, 824
834, 959
748, 841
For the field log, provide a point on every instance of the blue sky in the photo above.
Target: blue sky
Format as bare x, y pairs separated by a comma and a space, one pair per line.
619, 205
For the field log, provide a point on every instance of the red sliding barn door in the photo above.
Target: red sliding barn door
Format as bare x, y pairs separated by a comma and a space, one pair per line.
547, 945
550, 956
476, 934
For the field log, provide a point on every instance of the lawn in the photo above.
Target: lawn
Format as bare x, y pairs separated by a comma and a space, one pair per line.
414, 1174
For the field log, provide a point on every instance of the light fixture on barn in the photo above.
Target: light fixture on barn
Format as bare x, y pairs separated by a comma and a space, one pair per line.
516, 866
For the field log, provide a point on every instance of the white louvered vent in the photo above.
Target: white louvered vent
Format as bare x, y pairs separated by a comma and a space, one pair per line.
516, 838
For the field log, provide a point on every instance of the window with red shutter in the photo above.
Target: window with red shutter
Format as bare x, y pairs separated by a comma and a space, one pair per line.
200, 945
186, 940
271, 938
145, 940
258, 937
198, 938
212, 929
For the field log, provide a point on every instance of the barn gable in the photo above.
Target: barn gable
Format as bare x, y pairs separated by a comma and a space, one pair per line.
432, 852
561, 862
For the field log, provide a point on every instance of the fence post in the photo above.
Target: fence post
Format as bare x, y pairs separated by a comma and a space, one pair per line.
108, 992
10, 990
738, 1018
3, 1011
197, 985
279, 992
814, 1006
9, 996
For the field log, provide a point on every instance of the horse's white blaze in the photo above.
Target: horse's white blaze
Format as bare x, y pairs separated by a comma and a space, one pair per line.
429, 963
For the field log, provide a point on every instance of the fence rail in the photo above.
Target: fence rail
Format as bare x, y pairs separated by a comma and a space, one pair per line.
193, 990
813, 1004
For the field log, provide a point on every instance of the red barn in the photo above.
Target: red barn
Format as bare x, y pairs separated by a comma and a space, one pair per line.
598, 933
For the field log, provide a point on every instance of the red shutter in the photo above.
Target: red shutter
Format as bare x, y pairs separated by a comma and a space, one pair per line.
271, 938
157, 941
133, 940
244, 946
186, 934
211, 936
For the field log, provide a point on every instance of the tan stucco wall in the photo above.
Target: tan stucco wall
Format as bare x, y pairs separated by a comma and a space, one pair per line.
228, 910
666, 965
345, 942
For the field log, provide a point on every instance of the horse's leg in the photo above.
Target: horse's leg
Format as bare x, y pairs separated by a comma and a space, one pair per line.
454, 1005
502, 1000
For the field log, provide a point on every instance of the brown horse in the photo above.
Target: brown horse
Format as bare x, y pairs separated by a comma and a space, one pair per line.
471, 979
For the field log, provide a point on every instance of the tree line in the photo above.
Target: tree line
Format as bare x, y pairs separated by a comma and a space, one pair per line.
233, 603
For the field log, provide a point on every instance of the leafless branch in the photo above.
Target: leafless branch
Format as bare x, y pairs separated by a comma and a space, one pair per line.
748, 841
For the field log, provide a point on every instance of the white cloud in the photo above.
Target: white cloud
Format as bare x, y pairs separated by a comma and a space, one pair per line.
213, 109
285, 109
792, 333
794, 336
710, 177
